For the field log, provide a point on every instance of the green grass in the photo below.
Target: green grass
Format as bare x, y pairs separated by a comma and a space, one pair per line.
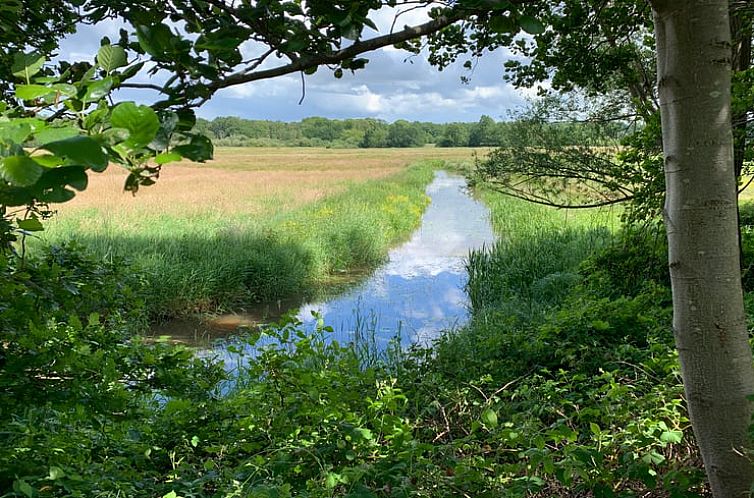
534, 262
214, 261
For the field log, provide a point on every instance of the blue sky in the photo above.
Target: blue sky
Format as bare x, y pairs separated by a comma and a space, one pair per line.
392, 86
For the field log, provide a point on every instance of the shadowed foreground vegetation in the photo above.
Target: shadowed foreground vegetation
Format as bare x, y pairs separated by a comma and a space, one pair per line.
565, 383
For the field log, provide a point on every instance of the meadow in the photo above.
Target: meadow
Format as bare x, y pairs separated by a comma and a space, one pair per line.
254, 224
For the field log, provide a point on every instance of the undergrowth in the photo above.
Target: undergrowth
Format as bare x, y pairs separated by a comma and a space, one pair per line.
548, 392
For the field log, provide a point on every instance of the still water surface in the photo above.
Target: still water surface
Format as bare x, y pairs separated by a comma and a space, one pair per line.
416, 295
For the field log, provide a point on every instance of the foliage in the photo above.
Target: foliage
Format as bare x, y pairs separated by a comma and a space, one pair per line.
483, 133
592, 163
582, 397
372, 133
37, 24
404, 134
68, 111
47, 160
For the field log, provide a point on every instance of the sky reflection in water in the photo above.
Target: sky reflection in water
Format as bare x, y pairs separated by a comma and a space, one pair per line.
419, 292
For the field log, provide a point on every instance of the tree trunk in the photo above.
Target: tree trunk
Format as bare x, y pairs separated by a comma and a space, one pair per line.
694, 70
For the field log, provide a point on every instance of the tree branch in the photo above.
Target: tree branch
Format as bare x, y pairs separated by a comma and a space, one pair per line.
358, 48
556, 205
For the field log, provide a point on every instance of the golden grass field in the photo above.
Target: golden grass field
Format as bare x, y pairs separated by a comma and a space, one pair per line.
249, 180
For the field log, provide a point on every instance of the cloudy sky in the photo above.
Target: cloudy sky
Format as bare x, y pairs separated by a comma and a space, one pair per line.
391, 86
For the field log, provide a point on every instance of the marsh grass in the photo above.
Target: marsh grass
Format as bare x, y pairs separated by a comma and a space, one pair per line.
197, 257
534, 263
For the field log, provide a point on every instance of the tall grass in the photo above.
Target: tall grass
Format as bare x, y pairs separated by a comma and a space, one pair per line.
206, 262
533, 265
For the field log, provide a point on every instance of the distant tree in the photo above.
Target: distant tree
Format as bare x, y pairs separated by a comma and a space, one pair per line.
405, 134
225, 127
484, 133
324, 129
375, 135
455, 135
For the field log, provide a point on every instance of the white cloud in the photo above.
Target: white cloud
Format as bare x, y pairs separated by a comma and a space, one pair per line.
394, 84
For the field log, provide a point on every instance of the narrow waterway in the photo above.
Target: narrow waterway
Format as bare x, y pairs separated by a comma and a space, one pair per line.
415, 296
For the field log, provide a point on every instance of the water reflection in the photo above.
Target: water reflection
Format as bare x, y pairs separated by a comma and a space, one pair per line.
419, 292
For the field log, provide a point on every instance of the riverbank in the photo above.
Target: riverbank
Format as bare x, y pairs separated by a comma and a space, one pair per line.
249, 250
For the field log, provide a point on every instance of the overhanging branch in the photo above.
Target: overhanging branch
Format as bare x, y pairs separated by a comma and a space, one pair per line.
360, 47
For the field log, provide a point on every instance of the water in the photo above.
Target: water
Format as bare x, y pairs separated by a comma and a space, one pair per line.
417, 294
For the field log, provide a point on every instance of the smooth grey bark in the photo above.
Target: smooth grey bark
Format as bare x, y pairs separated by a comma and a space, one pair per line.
694, 72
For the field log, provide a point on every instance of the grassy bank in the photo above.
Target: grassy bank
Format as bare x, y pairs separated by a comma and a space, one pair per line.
197, 256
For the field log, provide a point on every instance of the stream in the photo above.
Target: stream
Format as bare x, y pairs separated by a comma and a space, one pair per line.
413, 297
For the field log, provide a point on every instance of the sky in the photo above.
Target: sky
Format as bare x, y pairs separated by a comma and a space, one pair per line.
394, 85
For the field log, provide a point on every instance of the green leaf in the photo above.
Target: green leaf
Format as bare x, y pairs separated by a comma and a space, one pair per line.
141, 122
55, 178
172, 494
332, 480
186, 119
200, 149
168, 122
31, 92
48, 160
20, 171
155, 40
25, 488
167, 157
653, 457
98, 89
80, 150
15, 196
502, 24
131, 71
65, 89
56, 473
296, 44
111, 57
195, 441
671, 436
27, 65
489, 418
32, 225
14, 132
54, 134
531, 25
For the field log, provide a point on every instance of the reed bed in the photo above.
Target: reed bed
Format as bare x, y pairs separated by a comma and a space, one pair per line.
533, 265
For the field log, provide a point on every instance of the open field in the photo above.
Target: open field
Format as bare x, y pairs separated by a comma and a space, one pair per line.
254, 225
321, 159
246, 181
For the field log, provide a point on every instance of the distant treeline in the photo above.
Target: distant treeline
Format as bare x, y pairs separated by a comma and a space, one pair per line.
375, 133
